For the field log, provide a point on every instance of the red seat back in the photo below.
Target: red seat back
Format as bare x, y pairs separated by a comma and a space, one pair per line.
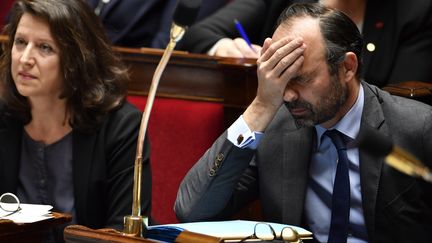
5, 6
180, 131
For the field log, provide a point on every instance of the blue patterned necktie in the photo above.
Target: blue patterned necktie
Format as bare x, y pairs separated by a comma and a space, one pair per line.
341, 192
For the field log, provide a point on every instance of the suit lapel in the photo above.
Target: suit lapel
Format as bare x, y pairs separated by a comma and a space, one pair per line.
10, 146
297, 147
83, 146
370, 167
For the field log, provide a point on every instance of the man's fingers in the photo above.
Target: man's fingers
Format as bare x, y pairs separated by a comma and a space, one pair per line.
277, 51
293, 69
246, 50
289, 59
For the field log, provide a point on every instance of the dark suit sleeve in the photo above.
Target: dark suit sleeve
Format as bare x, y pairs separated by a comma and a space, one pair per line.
219, 184
203, 35
121, 141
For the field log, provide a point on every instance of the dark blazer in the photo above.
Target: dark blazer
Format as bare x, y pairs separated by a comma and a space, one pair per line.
400, 30
397, 208
136, 23
144, 23
103, 167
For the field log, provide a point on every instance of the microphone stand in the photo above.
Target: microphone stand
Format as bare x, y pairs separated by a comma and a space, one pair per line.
133, 223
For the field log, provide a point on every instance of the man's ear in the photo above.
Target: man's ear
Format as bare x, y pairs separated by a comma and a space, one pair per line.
350, 65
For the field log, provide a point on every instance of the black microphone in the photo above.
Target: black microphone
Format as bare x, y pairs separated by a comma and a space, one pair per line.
186, 12
184, 15
379, 145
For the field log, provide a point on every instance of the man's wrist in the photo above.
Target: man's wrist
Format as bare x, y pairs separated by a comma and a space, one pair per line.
242, 136
258, 115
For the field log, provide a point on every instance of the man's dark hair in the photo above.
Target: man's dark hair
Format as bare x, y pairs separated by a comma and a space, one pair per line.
340, 33
94, 78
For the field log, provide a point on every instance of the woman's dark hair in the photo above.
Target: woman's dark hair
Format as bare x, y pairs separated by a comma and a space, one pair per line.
340, 33
94, 77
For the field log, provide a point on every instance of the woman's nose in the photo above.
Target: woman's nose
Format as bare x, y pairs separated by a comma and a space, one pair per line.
27, 55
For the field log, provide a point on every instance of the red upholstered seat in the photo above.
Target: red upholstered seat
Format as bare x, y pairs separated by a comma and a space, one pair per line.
180, 131
5, 6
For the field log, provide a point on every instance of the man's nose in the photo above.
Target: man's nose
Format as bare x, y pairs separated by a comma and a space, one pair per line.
290, 94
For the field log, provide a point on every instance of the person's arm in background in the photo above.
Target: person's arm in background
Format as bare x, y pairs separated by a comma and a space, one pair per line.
201, 37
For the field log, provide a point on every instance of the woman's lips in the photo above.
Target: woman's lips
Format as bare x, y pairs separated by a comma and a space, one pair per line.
27, 76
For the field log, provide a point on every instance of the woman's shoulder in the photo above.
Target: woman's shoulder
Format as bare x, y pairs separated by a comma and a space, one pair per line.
125, 112
126, 108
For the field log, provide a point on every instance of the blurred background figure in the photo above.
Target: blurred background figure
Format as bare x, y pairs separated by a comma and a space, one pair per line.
143, 23
397, 34
135, 23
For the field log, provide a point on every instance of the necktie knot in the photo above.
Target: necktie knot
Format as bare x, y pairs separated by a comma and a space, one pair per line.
338, 138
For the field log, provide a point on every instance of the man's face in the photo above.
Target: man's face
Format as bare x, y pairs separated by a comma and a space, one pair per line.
324, 109
313, 96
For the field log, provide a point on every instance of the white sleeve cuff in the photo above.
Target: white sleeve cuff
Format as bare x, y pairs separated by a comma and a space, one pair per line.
212, 50
241, 136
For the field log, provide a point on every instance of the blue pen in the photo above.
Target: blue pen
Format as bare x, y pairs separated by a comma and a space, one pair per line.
241, 31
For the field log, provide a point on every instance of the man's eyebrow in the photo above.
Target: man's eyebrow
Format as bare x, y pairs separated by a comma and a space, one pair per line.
301, 78
297, 78
304, 77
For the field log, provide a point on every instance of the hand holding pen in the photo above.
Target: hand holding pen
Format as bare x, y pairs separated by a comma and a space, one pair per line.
246, 40
240, 47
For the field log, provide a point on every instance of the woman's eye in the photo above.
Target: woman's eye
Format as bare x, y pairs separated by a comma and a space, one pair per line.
46, 48
19, 42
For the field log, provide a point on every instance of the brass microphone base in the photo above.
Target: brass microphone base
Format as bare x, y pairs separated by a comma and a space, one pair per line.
133, 225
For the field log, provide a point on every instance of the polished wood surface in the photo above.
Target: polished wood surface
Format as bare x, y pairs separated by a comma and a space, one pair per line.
30, 232
412, 89
229, 81
82, 234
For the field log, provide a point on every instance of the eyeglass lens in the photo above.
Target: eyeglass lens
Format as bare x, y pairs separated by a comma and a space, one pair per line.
289, 234
9, 202
264, 232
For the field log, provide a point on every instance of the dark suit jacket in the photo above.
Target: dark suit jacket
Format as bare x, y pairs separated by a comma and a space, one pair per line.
400, 30
397, 208
144, 23
103, 167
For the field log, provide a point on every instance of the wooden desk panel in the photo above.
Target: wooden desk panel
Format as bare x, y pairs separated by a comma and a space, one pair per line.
31, 232
230, 81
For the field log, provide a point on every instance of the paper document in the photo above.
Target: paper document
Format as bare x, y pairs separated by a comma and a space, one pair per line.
232, 229
29, 213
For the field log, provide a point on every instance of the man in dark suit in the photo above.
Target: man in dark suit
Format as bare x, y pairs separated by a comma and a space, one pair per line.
280, 149
397, 34
143, 23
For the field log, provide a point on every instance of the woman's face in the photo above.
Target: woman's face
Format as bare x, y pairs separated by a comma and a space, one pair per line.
36, 68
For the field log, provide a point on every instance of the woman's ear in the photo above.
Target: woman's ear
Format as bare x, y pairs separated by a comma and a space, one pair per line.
350, 65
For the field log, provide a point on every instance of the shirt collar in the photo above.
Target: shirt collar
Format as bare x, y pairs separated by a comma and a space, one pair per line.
349, 125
